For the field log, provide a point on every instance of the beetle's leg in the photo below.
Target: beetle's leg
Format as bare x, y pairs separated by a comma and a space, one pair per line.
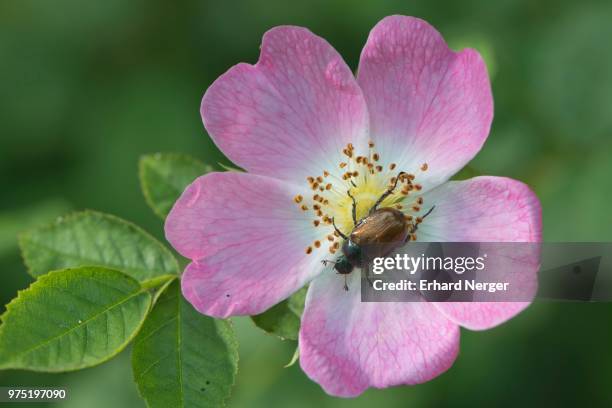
327, 261
354, 207
345, 285
386, 193
337, 230
415, 227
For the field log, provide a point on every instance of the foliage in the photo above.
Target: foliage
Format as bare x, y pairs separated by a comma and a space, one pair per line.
72, 319
182, 358
283, 319
163, 177
91, 238
103, 282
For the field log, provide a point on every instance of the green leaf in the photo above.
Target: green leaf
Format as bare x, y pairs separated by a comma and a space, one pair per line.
230, 168
294, 358
94, 239
283, 319
15, 221
72, 319
159, 288
182, 358
164, 177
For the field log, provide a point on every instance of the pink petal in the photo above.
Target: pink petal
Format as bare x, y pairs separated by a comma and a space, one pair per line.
247, 239
290, 115
482, 209
487, 209
427, 103
347, 346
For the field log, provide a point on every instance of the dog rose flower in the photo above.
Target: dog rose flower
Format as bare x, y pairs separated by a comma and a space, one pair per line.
307, 131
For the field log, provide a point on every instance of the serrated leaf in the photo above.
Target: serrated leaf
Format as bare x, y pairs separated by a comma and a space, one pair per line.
94, 239
182, 358
164, 176
15, 221
283, 319
72, 319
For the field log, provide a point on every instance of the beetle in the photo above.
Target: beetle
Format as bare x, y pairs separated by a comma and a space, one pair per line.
377, 234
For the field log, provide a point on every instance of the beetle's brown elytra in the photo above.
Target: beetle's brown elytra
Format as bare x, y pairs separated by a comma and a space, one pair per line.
376, 235
383, 231
373, 202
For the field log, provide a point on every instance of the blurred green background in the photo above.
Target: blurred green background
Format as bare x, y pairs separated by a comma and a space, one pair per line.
88, 87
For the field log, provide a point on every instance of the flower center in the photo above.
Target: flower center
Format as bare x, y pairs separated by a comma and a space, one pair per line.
364, 179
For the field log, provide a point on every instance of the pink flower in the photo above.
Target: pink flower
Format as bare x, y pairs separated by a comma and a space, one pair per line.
306, 130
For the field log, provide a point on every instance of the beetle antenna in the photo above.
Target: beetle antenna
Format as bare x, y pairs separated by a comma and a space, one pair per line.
428, 212
337, 230
386, 193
